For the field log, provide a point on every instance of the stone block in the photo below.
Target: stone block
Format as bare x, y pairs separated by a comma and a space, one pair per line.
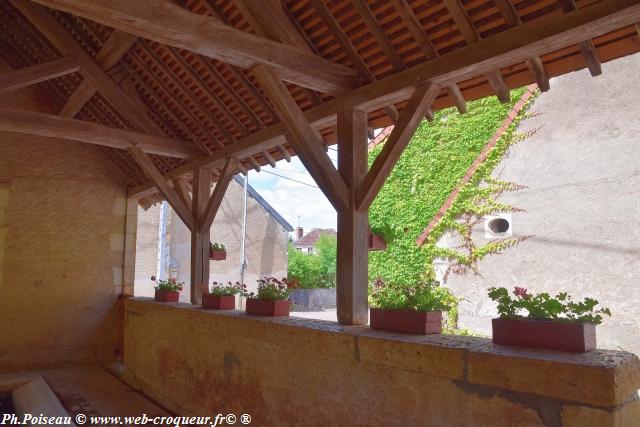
600, 377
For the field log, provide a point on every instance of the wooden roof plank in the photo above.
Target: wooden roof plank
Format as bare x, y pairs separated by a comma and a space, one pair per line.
167, 23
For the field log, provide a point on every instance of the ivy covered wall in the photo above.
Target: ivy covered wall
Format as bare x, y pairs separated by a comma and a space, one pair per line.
432, 165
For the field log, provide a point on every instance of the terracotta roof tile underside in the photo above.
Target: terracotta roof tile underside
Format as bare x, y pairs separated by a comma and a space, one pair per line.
212, 104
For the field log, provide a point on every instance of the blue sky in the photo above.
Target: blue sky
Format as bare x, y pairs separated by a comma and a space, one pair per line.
295, 199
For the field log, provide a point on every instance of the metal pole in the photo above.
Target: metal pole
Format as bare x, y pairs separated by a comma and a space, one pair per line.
243, 259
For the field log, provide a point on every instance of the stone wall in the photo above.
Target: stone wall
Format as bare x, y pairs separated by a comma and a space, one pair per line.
581, 206
266, 244
299, 372
62, 241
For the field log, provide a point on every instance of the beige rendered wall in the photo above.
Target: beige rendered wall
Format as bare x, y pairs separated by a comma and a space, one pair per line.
300, 372
62, 234
62, 216
266, 244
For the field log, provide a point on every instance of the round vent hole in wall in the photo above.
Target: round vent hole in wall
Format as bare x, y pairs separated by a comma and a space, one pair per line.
498, 225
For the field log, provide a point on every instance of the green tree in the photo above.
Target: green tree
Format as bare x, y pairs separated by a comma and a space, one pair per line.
315, 271
327, 249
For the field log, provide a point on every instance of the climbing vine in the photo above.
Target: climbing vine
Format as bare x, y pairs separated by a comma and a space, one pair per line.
436, 159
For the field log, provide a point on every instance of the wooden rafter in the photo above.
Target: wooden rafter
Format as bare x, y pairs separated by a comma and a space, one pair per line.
268, 19
56, 34
116, 46
422, 39
167, 192
363, 70
418, 106
48, 125
172, 25
535, 64
471, 35
586, 47
365, 13
505, 49
24, 77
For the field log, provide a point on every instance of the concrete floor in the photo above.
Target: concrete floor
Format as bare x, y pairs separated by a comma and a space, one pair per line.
93, 391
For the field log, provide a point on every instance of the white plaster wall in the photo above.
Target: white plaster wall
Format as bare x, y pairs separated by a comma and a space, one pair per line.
582, 204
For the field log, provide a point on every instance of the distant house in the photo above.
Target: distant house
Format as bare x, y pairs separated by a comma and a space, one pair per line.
307, 242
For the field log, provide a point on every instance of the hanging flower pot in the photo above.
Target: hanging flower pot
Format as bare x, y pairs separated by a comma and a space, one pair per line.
217, 252
407, 321
377, 242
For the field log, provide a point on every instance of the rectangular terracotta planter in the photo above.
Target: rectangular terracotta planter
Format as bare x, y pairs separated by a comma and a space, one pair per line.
217, 255
224, 302
547, 334
167, 296
408, 321
267, 307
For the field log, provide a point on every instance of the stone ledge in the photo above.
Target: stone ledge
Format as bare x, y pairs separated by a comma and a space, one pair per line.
603, 379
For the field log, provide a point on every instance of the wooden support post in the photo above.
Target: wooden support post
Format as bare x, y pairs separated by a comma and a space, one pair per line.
353, 225
199, 235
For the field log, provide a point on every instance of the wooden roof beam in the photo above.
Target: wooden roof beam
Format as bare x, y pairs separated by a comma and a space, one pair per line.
305, 140
535, 64
133, 111
530, 39
422, 39
28, 76
170, 195
471, 35
169, 24
48, 125
215, 200
116, 46
363, 70
378, 34
418, 107
586, 47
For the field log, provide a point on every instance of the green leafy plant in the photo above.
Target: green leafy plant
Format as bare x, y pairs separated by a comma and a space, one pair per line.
171, 285
426, 295
543, 306
432, 165
217, 247
221, 289
271, 288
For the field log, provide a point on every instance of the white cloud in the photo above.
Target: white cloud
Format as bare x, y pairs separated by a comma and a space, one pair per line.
292, 199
